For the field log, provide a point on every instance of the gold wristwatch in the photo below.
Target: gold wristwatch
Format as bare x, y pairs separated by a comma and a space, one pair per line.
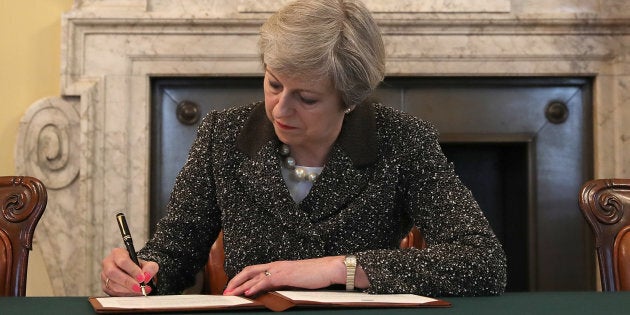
351, 268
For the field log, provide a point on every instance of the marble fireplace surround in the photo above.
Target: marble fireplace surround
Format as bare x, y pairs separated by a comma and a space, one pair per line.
90, 145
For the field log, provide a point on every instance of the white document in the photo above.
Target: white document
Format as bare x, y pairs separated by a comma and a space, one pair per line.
354, 297
172, 301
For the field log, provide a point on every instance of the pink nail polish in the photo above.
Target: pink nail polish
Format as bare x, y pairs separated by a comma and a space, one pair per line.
227, 292
248, 292
147, 277
140, 278
136, 288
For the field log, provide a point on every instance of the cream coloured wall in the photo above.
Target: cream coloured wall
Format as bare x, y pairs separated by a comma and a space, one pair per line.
30, 41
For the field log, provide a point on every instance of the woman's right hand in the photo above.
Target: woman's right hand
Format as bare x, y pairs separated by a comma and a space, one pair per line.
121, 276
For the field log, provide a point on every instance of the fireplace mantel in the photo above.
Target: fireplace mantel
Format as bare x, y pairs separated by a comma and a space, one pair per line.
90, 145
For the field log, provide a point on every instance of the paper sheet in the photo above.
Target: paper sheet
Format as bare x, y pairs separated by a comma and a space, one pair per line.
172, 301
354, 297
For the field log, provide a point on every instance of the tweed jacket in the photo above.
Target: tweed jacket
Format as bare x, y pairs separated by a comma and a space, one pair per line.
385, 173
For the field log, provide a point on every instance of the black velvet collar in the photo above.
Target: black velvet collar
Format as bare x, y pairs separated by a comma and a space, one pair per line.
357, 137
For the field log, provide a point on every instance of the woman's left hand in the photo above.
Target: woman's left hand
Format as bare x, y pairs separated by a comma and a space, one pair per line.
305, 274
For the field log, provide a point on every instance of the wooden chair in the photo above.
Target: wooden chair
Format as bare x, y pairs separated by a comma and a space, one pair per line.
215, 279
605, 204
22, 203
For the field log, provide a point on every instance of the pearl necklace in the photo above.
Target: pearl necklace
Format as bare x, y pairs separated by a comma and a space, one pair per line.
299, 173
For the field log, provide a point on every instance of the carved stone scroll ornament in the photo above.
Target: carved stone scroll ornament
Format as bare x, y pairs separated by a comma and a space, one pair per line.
48, 147
48, 142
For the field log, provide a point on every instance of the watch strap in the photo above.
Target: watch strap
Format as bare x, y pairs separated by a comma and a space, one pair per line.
351, 267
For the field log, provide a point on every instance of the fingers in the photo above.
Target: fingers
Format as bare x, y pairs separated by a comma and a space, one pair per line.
258, 284
149, 269
306, 274
117, 288
120, 276
252, 280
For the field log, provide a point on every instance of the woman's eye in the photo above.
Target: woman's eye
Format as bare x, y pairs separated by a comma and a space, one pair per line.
308, 101
275, 85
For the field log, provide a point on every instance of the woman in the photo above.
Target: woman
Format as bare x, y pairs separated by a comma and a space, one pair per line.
316, 183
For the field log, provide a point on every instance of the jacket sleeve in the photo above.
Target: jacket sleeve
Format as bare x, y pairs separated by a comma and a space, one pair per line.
463, 256
183, 237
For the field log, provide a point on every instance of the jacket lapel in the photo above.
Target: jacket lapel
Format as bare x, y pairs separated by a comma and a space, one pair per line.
344, 174
260, 172
335, 188
261, 178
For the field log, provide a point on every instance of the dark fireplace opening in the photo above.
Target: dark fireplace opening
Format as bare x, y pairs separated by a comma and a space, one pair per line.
497, 175
523, 162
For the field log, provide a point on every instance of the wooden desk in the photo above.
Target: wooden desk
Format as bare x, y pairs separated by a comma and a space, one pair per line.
534, 303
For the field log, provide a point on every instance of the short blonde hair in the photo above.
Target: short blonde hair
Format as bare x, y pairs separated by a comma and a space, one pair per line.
334, 38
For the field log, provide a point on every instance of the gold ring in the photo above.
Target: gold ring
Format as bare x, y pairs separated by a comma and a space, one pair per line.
267, 273
107, 283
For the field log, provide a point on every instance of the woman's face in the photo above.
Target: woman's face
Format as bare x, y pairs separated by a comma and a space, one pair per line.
306, 112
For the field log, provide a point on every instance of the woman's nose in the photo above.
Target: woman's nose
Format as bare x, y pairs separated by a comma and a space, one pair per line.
284, 107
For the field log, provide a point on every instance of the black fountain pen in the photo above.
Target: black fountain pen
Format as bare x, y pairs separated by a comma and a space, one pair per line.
126, 235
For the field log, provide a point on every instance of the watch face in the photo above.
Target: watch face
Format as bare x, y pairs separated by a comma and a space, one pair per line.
350, 261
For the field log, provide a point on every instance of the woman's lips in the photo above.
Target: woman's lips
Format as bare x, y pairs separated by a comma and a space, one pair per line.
283, 126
